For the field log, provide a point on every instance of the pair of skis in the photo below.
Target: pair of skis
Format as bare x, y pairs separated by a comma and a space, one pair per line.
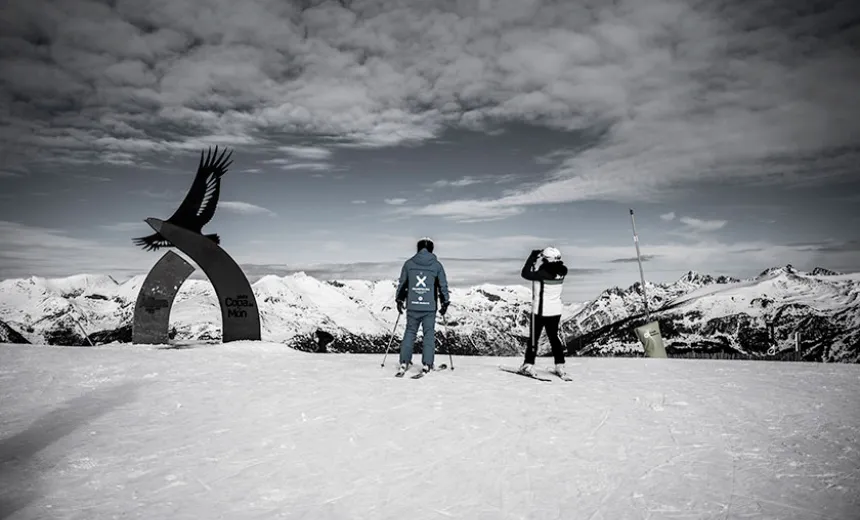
564, 377
421, 374
443, 366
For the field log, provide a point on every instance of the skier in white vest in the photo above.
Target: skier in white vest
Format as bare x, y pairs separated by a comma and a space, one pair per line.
546, 309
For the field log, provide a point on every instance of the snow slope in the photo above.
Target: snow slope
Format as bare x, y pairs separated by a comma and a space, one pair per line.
258, 430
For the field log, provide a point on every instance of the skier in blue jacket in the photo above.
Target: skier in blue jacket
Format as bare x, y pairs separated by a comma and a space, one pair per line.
422, 283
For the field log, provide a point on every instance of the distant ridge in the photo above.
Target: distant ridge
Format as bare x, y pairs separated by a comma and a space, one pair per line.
697, 313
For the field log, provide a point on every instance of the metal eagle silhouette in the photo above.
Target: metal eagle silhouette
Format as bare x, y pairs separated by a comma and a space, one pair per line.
200, 202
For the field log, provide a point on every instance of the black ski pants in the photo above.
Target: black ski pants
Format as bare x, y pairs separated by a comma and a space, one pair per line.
550, 323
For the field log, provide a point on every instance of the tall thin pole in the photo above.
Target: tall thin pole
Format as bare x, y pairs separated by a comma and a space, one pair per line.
639, 259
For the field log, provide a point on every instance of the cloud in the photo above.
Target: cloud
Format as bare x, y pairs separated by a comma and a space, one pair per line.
311, 158
459, 183
245, 208
553, 157
286, 164
38, 251
711, 97
307, 152
395, 202
698, 225
359, 202
468, 211
668, 216
317, 167
830, 246
120, 158
161, 195
124, 227
92, 178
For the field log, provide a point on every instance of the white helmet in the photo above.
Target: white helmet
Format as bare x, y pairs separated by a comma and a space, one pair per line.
551, 254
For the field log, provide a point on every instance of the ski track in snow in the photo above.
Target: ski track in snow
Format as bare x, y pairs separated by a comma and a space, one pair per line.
256, 430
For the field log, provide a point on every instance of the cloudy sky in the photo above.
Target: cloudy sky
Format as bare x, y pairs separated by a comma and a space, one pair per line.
493, 126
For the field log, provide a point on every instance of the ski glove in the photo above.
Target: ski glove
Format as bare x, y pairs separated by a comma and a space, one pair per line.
444, 308
400, 306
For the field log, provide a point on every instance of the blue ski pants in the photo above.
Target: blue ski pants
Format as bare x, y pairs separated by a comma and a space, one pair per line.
427, 321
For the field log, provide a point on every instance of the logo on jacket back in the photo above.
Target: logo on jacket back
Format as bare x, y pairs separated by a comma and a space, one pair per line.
420, 289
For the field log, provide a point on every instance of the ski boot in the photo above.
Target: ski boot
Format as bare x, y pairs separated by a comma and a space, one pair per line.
528, 369
404, 367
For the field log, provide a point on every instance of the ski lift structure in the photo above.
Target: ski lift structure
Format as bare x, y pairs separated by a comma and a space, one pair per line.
649, 333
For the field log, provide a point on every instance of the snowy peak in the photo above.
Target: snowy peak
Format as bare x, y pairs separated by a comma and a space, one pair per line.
693, 278
820, 271
77, 285
772, 272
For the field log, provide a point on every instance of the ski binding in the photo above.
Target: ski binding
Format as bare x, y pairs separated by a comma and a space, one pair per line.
517, 372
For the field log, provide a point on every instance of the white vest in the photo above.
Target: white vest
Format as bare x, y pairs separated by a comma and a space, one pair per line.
546, 299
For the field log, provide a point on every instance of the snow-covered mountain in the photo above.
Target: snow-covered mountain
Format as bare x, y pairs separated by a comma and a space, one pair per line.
700, 313
697, 312
294, 309
10, 335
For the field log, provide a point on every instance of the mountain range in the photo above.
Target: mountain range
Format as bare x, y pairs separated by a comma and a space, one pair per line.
756, 318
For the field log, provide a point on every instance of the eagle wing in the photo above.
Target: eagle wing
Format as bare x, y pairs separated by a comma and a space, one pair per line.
152, 242
202, 198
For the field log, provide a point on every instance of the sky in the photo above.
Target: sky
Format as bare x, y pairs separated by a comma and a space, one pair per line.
493, 126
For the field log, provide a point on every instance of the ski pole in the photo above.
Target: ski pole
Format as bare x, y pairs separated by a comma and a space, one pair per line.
639, 260
391, 340
532, 339
447, 344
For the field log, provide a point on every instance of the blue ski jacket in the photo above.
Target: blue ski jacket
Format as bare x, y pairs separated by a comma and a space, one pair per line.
413, 287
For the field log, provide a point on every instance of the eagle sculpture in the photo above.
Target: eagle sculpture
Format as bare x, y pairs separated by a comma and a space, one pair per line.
200, 202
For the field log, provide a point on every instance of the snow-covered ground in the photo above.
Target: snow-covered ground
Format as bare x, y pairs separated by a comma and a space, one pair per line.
257, 430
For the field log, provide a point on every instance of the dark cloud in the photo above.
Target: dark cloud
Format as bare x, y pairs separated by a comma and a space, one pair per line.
850, 246
101, 82
826, 246
645, 258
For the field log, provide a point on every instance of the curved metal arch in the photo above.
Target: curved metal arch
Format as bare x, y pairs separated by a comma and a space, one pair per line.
151, 322
240, 316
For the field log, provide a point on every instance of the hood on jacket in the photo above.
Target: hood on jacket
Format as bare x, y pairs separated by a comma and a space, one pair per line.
424, 257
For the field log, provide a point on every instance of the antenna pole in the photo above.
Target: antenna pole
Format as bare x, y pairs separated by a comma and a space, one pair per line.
639, 260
